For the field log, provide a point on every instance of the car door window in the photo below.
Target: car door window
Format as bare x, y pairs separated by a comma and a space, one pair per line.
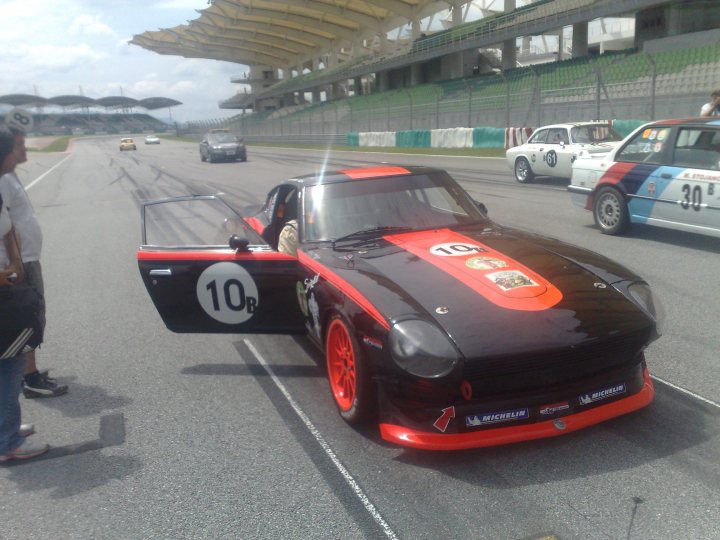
647, 146
697, 149
539, 137
557, 136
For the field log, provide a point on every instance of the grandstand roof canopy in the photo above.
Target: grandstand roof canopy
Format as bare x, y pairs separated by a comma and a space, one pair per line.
284, 34
16, 100
29, 100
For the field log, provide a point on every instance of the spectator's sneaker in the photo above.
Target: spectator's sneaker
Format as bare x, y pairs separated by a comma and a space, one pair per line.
39, 384
26, 430
27, 450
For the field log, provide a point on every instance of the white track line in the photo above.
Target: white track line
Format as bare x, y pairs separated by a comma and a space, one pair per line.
688, 392
325, 446
43, 175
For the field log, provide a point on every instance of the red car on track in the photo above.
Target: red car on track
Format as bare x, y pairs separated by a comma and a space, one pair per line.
445, 328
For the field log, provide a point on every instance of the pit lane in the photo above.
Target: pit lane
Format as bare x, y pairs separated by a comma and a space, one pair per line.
215, 450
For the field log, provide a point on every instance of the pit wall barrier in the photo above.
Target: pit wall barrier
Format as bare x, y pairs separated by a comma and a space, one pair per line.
479, 137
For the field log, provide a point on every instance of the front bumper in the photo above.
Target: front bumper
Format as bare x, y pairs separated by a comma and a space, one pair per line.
579, 195
554, 426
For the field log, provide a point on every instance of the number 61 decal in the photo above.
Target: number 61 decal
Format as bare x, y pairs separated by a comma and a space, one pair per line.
228, 293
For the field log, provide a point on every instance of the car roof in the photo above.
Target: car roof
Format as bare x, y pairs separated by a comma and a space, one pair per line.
696, 121
359, 173
576, 124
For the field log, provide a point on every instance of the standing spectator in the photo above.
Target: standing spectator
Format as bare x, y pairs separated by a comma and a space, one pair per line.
35, 383
712, 108
14, 441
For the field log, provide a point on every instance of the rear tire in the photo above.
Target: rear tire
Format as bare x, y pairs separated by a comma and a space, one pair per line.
610, 211
523, 171
348, 373
202, 157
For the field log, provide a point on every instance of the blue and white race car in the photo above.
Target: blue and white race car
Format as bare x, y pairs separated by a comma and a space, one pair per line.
665, 173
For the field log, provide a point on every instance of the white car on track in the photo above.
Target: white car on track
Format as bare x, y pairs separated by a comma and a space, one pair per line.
551, 150
665, 173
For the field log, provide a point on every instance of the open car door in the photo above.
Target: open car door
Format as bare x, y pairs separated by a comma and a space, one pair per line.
208, 271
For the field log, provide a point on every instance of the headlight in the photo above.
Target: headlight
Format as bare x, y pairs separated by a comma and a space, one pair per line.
643, 296
422, 349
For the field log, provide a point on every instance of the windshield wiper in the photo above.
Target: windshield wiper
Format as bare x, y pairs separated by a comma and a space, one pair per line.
372, 233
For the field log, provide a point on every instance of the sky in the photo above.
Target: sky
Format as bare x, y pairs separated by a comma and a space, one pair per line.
58, 47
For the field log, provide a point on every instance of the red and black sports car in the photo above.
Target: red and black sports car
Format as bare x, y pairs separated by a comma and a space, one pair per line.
449, 330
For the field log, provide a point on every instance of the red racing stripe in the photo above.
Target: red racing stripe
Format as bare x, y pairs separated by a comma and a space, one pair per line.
501, 280
615, 173
344, 287
374, 172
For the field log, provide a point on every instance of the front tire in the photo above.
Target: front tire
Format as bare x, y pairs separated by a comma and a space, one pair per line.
610, 211
348, 373
523, 171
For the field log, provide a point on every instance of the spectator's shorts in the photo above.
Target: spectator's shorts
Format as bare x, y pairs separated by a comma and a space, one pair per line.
33, 276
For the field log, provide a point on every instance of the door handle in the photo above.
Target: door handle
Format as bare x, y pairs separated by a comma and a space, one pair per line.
161, 272
666, 175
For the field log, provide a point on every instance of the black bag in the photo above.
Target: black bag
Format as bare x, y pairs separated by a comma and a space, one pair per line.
20, 328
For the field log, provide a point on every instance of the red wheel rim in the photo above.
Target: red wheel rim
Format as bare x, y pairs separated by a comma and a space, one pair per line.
341, 365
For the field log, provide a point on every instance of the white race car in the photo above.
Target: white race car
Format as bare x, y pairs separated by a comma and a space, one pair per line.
665, 173
551, 150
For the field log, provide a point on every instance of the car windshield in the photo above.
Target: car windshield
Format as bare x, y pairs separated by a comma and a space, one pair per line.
219, 138
415, 202
594, 134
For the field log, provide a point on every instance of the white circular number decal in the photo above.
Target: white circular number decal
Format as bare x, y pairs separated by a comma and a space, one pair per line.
227, 292
19, 118
455, 249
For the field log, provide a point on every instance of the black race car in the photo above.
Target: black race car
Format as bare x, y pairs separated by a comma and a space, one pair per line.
449, 330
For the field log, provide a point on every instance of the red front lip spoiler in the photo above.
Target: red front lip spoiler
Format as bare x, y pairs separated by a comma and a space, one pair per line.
493, 437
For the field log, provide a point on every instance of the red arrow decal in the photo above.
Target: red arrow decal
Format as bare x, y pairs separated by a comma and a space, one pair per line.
447, 415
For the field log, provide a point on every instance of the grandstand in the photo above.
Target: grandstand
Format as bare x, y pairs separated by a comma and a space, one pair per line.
360, 80
88, 121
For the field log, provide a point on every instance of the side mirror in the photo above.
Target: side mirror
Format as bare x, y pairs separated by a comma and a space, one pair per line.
481, 207
239, 244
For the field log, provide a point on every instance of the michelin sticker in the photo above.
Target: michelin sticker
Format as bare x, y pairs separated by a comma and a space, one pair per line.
605, 393
228, 293
475, 420
455, 249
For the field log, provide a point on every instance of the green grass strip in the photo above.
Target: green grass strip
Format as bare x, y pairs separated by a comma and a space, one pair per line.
58, 145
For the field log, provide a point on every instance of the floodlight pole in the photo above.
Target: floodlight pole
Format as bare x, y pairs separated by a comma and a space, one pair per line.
653, 81
501, 72
469, 91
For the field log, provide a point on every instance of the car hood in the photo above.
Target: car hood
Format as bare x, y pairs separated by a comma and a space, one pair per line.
493, 290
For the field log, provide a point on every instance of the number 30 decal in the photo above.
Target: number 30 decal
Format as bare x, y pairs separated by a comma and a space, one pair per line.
228, 293
693, 197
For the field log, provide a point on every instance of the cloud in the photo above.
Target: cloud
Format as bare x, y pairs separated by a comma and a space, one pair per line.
90, 25
181, 4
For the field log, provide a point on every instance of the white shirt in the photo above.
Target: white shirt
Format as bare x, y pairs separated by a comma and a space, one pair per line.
707, 108
22, 216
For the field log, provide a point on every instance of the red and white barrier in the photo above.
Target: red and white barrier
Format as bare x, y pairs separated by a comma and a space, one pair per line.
517, 136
